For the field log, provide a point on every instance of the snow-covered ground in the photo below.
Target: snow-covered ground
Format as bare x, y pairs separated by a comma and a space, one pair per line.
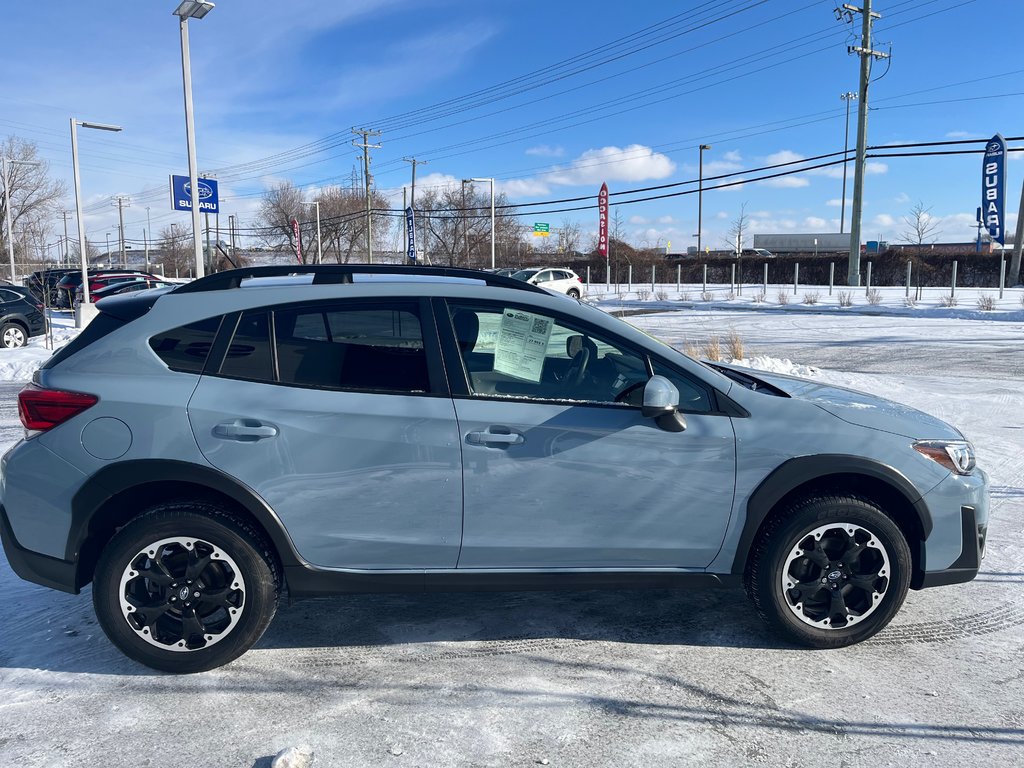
596, 678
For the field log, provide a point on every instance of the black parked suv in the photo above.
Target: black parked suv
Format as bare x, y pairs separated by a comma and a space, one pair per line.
21, 316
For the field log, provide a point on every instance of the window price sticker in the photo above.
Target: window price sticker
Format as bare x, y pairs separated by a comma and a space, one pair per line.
522, 344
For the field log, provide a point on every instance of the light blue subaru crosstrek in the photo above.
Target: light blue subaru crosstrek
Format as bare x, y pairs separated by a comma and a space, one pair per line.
346, 429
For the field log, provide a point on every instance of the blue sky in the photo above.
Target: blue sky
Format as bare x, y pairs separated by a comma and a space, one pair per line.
279, 85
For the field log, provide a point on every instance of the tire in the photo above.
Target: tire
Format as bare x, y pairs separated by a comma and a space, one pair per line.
830, 571
13, 336
149, 608
573, 293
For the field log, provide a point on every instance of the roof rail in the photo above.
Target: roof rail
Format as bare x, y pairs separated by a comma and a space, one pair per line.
324, 274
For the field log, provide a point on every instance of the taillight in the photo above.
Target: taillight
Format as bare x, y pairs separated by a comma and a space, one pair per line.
41, 409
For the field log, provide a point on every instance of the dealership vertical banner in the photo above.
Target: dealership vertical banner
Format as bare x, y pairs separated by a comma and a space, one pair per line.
993, 188
410, 233
602, 222
298, 241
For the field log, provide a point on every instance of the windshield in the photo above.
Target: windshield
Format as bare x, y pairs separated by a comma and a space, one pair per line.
525, 274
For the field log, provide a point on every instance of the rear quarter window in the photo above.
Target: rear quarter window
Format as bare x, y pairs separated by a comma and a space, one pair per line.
186, 348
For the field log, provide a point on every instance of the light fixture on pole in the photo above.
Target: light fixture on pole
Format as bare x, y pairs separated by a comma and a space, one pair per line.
7, 162
319, 247
700, 194
847, 97
82, 247
192, 9
491, 182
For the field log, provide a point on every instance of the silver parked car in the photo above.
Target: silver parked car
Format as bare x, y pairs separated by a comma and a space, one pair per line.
338, 429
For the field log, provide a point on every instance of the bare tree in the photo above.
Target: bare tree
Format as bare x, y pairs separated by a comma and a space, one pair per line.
922, 228
279, 206
34, 195
460, 235
569, 237
738, 230
176, 256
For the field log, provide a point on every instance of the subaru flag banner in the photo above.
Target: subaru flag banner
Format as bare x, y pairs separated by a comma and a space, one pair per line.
298, 240
181, 195
602, 213
993, 188
410, 234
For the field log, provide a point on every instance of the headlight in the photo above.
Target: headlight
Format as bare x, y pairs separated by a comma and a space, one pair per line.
955, 455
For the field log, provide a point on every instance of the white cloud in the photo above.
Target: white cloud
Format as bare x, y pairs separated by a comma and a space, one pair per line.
883, 220
787, 182
732, 156
639, 220
523, 187
721, 215
633, 163
783, 156
902, 198
546, 151
666, 220
815, 222
837, 202
958, 135
437, 180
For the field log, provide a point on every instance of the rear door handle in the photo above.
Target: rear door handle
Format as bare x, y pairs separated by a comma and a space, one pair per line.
245, 430
497, 436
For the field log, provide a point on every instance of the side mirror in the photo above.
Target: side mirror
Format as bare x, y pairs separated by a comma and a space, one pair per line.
661, 403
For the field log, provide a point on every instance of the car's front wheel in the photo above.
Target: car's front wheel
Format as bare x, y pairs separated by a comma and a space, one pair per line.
185, 587
13, 336
573, 293
831, 571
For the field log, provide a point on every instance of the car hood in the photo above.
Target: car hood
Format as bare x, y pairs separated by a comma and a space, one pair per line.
860, 408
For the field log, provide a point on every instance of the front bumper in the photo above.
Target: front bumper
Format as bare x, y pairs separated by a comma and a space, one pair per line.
32, 566
954, 550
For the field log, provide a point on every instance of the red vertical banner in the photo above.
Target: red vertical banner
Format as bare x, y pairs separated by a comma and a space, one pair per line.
298, 240
602, 227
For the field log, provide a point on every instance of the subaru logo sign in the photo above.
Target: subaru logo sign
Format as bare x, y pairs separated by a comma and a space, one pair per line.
181, 194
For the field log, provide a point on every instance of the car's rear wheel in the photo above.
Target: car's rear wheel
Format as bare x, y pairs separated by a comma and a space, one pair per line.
573, 293
830, 571
12, 336
186, 587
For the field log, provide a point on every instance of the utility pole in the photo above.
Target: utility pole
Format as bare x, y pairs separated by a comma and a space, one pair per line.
121, 201
67, 251
367, 181
1018, 237
847, 97
465, 223
412, 197
148, 235
866, 55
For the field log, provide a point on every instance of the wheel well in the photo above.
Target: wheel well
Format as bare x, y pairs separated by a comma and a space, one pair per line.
875, 490
128, 504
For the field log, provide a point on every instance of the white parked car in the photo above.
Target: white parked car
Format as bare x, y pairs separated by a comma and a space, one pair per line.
560, 279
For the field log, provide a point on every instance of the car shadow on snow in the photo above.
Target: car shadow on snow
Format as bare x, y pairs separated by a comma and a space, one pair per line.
717, 617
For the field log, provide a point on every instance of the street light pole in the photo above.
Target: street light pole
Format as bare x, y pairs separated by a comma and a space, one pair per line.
465, 223
319, 246
82, 247
7, 161
700, 194
491, 182
847, 97
195, 9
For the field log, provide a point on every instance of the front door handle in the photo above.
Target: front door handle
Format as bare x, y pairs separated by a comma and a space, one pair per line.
245, 430
496, 436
